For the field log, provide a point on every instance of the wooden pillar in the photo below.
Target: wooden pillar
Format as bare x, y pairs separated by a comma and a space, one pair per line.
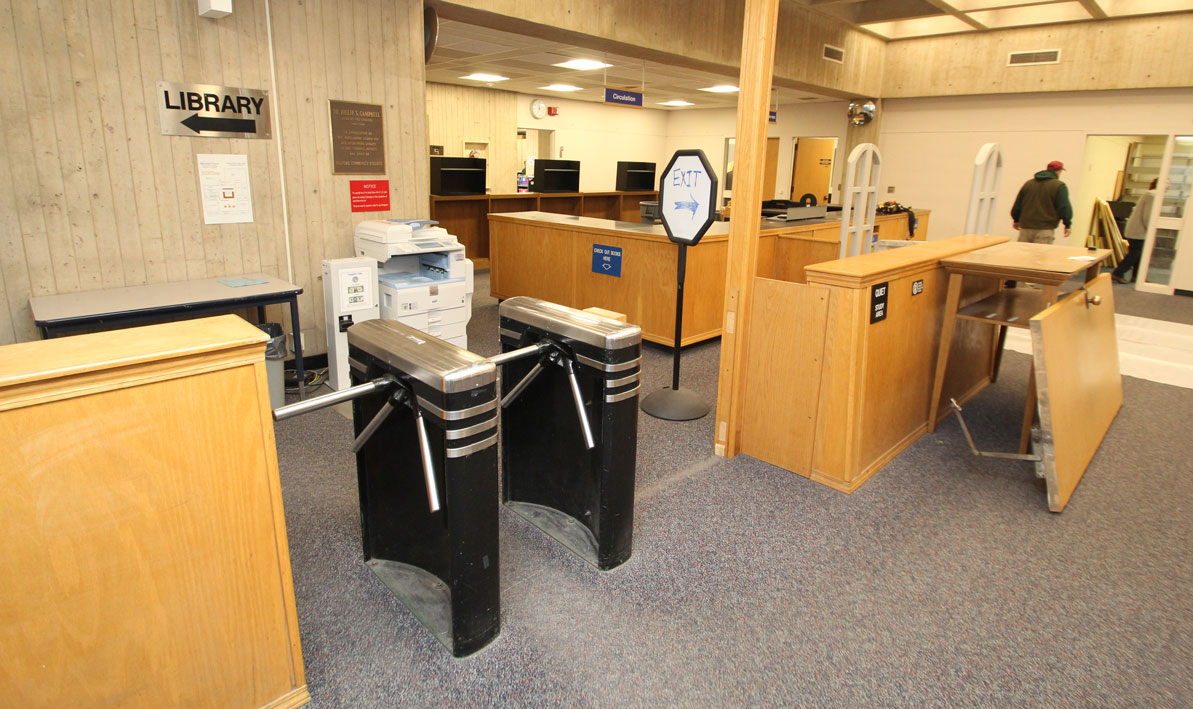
753, 106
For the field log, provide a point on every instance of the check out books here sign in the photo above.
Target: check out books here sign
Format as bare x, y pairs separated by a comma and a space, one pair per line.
606, 260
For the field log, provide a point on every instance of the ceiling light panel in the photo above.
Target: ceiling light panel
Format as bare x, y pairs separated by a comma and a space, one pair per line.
485, 77
1118, 8
676, 102
582, 64
561, 87
721, 89
1033, 15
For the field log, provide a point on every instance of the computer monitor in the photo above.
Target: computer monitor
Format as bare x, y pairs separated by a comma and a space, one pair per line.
457, 176
556, 176
636, 176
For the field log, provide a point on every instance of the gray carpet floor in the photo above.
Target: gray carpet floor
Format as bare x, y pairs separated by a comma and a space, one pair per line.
943, 581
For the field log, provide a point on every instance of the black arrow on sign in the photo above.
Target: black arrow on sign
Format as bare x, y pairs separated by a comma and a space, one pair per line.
223, 125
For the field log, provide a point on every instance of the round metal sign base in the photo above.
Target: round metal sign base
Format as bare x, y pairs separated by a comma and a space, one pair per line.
675, 404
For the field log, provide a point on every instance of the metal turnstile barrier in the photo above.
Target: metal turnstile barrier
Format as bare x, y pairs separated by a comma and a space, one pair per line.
569, 425
425, 415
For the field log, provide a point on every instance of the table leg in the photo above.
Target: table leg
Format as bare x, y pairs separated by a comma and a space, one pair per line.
998, 346
298, 368
1029, 411
260, 313
946, 343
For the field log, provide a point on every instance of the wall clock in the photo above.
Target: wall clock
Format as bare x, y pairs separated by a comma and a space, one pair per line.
538, 108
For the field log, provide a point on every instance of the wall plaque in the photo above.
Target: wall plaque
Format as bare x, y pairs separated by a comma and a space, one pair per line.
357, 138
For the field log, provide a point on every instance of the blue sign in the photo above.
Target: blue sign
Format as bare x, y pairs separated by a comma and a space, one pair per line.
606, 260
623, 97
774, 117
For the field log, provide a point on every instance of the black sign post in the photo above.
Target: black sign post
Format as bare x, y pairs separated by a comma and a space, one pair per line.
687, 191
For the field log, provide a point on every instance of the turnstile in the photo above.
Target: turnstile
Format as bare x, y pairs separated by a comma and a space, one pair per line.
427, 471
569, 425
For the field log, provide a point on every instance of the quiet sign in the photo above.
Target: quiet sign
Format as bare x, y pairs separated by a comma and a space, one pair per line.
210, 111
878, 294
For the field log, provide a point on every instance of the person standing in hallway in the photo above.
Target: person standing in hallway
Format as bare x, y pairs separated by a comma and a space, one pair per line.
1135, 233
1042, 202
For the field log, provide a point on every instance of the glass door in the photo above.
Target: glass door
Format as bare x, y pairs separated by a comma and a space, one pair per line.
1162, 265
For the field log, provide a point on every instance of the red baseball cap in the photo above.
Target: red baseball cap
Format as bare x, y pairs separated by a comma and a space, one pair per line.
1056, 166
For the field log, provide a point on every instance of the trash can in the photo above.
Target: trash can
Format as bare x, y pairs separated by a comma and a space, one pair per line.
275, 362
427, 475
570, 426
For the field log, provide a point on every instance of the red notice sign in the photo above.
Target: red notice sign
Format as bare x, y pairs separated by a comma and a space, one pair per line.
369, 195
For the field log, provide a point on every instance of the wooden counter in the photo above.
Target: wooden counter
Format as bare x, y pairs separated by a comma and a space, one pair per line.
465, 216
145, 557
833, 396
549, 256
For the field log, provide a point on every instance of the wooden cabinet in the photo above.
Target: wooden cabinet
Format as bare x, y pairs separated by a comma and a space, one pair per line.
145, 557
466, 217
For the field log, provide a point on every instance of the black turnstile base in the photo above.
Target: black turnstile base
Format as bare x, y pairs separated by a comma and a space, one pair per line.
566, 530
675, 404
425, 595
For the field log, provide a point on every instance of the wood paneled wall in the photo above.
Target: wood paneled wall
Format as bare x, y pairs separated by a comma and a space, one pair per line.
1129, 53
460, 113
92, 196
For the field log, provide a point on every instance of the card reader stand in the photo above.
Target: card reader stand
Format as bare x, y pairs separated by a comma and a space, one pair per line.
569, 425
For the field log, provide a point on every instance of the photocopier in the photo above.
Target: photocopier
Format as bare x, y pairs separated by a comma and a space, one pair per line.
424, 280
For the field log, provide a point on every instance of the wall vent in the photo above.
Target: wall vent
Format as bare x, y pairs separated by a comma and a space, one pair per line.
1040, 56
834, 54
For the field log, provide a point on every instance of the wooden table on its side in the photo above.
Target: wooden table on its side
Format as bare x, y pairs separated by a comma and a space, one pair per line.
1045, 264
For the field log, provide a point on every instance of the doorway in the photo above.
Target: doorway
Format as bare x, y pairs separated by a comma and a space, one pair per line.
532, 145
812, 168
1120, 169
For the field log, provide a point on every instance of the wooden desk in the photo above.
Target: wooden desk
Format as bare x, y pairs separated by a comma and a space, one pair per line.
466, 216
1044, 264
63, 313
832, 394
145, 557
549, 256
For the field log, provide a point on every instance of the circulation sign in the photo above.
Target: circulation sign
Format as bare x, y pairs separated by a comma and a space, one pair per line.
623, 97
687, 190
210, 111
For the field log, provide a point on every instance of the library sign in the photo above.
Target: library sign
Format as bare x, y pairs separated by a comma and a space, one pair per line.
211, 111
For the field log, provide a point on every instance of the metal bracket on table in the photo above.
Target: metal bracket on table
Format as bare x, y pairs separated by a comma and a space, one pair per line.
1031, 457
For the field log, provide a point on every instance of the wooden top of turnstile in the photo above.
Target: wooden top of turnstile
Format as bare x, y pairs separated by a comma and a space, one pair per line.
860, 271
1025, 261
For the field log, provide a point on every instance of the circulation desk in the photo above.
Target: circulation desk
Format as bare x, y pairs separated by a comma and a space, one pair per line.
550, 256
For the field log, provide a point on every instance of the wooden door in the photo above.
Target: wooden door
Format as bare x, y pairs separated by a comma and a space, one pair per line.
812, 168
771, 168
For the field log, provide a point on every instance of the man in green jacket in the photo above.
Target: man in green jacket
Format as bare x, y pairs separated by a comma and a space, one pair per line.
1042, 202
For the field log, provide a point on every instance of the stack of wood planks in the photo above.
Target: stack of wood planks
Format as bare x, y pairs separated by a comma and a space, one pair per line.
1104, 233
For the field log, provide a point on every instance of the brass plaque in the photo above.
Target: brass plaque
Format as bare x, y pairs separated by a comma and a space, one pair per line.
357, 138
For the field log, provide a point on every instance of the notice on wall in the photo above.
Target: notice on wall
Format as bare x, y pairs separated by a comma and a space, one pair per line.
357, 138
369, 195
224, 189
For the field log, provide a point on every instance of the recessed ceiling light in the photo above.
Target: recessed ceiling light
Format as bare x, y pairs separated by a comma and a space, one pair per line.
485, 77
561, 87
582, 64
676, 102
722, 89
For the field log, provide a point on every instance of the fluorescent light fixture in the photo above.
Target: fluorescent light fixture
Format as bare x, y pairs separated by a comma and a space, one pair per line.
485, 77
722, 89
676, 102
561, 87
582, 64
